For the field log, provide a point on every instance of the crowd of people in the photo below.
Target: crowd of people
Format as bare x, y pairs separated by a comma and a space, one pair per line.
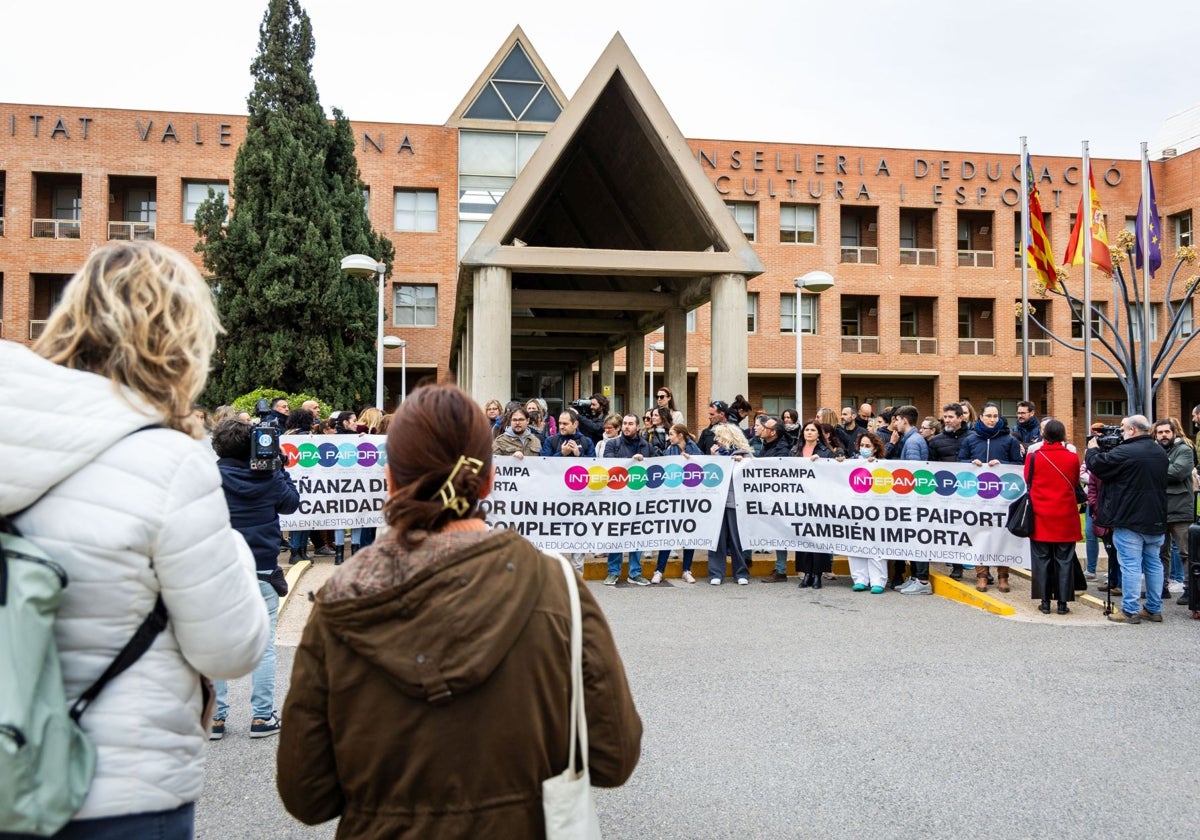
1065, 486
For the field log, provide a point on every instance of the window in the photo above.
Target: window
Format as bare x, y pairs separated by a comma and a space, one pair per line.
851, 317
964, 234
798, 223
140, 205
691, 320
908, 231
414, 306
908, 319
196, 192
1111, 408
851, 232
1182, 225
966, 320
1098, 309
1131, 224
745, 213
1135, 321
67, 203
774, 404
1008, 408
808, 314
488, 163
415, 210
751, 312
1185, 319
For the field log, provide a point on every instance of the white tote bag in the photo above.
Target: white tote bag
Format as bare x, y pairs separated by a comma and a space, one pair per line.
570, 810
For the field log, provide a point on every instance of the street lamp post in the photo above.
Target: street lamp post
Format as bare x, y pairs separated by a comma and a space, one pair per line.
656, 347
392, 342
360, 265
815, 282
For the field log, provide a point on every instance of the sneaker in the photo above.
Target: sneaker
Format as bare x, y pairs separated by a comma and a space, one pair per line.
1149, 616
743, 581
639, 581
657, 578
611, 580
688, 577
324, 551
261, 728
907, 585
1089, 575
715, 581
1175, 587
775, 577
1122, 617
217, 732
917, 588
876, 590
858, 587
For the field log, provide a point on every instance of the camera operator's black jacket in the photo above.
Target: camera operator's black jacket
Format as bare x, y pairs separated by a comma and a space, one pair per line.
1134, 493
255, 499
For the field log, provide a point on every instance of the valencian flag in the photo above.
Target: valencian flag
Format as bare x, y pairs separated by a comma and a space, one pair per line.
1040, 257
1155, 250
1101, 258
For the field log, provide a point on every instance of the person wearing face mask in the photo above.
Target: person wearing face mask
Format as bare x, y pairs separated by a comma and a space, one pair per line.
868, 573
990, 444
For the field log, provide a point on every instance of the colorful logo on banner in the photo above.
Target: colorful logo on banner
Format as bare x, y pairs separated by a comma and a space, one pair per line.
964, 484
330, 454
638, 477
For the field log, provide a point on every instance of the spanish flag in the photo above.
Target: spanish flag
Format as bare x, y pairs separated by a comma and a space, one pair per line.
1101, 258
1040, 256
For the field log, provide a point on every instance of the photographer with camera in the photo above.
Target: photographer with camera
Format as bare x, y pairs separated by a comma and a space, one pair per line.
1133, 502
592, 412
256, 498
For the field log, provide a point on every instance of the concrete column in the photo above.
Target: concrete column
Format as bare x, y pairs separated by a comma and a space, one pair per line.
608, 379
464, 353
675, 357
491, 340
635, 375
730, 356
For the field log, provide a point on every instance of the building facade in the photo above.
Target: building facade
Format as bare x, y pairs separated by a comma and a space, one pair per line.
924, 247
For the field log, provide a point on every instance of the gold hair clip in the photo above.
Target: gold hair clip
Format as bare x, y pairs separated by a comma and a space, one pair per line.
450, 498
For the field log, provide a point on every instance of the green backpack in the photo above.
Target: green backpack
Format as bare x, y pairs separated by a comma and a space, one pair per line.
46, 761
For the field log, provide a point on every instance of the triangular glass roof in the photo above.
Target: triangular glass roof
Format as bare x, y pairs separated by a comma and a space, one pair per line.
516, 91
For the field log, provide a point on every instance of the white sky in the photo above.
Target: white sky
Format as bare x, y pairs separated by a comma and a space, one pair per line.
942, 75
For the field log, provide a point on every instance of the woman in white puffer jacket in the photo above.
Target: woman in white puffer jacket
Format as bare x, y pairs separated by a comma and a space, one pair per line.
131, 514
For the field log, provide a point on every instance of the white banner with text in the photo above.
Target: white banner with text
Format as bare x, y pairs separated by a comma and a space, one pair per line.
896, 510
340, 479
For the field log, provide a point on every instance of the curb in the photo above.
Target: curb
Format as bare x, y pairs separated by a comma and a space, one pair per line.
954, 590
293, 576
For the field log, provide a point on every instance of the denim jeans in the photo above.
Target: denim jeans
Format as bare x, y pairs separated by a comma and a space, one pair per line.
1138, 555
689, 554
262, 693
635, 564
176, 824
339, 536
781, 562
1092, 541
297, 539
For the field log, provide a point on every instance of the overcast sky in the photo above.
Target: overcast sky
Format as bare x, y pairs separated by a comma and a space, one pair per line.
942, 75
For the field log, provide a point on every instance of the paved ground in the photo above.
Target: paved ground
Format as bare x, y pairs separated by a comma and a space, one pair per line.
771, 712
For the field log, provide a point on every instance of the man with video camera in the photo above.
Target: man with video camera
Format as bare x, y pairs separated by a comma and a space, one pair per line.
1133, 502
255, 497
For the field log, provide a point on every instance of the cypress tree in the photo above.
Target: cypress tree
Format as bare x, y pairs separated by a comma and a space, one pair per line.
293, 320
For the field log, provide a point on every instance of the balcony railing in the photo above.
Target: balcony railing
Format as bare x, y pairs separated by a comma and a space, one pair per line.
131, 230
918, 256
977, 347
919, 346
860, 344
866, 256
976, 259
35, 329
1037, 347
56, 228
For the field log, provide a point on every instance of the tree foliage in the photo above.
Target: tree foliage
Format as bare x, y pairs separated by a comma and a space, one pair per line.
294, 322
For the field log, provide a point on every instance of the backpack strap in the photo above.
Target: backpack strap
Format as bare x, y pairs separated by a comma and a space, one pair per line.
151, 626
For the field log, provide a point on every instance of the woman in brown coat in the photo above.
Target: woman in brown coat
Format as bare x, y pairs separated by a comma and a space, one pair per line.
430, 692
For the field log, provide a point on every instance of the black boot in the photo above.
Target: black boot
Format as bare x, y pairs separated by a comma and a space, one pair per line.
353, 549
304, 552
807, 581
956, 572
1044, 607
816, 580
295, 556
339, 555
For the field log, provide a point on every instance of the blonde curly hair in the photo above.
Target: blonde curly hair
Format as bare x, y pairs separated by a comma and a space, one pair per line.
140, 314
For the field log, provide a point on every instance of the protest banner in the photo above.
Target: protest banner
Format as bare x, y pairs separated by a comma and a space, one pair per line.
340, 479
589, 505
897, 510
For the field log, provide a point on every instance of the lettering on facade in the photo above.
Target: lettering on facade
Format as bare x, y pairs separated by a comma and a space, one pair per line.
783, 166
64, 128
377, 143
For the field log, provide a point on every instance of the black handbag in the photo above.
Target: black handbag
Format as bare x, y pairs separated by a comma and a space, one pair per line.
1020, 512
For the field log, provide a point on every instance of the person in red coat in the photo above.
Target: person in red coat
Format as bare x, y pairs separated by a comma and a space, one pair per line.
1052, 473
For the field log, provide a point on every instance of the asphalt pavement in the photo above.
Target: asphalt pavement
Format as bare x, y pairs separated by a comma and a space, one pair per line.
775, 712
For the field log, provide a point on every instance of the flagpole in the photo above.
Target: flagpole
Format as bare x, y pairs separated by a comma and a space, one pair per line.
1085, 231
1024, 270
1147, 374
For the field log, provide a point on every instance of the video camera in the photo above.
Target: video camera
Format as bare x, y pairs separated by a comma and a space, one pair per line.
583, 407
1107, 436
265, 454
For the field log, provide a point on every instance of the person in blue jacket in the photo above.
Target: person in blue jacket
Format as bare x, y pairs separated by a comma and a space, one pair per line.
255, 499
990, 443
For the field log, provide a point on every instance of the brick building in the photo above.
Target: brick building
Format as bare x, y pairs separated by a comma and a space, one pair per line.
923, 245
